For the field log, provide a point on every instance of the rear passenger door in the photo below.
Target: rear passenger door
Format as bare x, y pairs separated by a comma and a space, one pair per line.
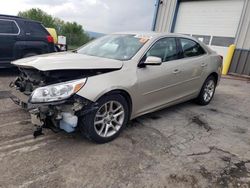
193, 65
9, 31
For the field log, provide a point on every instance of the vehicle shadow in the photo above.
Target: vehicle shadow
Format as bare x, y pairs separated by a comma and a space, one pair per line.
153, 116
9, 72
158, 114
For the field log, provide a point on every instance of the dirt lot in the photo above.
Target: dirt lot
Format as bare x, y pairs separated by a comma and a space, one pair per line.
182, 146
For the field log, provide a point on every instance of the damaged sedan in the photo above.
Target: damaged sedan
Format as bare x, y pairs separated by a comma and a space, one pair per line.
99, 87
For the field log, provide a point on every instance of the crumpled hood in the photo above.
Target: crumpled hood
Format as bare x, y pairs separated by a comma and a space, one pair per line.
67, 60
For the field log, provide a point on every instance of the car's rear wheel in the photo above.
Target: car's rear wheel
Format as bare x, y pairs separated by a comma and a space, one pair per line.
207, 91
106, 122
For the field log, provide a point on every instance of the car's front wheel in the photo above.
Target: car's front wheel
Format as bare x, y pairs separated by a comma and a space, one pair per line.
207, 91
107, 121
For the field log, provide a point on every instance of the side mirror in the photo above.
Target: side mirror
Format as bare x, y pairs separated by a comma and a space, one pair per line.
152, 60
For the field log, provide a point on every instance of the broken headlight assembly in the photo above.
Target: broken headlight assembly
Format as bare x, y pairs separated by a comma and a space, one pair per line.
57, 92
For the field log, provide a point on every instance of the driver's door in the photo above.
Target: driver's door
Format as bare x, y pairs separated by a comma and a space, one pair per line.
157, 84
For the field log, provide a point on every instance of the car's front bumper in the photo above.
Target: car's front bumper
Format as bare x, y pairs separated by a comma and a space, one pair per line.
40, 113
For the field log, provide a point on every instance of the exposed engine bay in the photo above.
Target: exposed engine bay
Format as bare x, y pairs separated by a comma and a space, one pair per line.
56, 115
31, 79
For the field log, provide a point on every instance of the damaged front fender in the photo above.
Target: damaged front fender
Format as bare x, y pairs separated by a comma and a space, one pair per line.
57, 115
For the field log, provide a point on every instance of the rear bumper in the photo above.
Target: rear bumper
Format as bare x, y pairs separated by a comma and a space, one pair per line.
219, 75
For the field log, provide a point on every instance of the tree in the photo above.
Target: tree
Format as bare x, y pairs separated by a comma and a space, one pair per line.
73, 31
39, 15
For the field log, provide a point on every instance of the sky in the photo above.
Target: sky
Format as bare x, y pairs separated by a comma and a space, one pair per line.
105, 16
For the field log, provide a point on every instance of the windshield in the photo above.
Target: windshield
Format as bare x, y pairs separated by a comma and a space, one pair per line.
120, 47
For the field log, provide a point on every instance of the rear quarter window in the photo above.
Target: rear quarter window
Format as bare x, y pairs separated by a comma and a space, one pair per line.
35, 29
8, 27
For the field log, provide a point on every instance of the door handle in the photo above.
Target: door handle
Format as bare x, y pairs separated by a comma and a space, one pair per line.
175, 71
204, 64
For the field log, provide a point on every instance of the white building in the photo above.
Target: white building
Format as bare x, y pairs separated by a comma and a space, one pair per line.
218, 23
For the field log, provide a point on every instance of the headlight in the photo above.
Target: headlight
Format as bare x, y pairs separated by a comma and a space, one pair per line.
57, 92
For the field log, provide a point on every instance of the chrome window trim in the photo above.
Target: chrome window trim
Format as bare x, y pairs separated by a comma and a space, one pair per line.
11, 34
176, 37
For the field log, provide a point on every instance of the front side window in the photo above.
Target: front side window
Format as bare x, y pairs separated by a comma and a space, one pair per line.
8, 27
117, 46
165, 49
191, 48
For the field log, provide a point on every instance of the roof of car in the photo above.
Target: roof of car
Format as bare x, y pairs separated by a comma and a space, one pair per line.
16, 18
155, 35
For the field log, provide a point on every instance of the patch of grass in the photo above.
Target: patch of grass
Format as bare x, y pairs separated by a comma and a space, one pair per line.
72, 47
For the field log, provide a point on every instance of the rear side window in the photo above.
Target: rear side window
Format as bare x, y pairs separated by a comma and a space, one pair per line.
165, 48
35, 29
191, 48
8, 27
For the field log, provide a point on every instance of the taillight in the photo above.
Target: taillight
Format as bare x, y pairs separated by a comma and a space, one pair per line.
50, 39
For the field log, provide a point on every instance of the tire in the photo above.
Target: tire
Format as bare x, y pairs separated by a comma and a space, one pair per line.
207, 91
30, 54
103, 125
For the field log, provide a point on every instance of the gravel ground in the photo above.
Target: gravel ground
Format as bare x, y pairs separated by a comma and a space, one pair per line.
182, 146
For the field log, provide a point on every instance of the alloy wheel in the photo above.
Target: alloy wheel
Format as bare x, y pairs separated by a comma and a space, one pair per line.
209, 90
109, 118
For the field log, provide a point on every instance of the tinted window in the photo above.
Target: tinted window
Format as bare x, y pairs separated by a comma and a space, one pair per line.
191, 48
8, 27
164, 49
35, 29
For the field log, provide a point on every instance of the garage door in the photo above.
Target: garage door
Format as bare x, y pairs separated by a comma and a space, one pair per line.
214, 22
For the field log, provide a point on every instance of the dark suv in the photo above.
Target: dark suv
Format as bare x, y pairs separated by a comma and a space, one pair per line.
20, 37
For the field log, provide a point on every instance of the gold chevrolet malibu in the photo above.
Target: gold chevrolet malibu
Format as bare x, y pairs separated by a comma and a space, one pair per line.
102, 85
